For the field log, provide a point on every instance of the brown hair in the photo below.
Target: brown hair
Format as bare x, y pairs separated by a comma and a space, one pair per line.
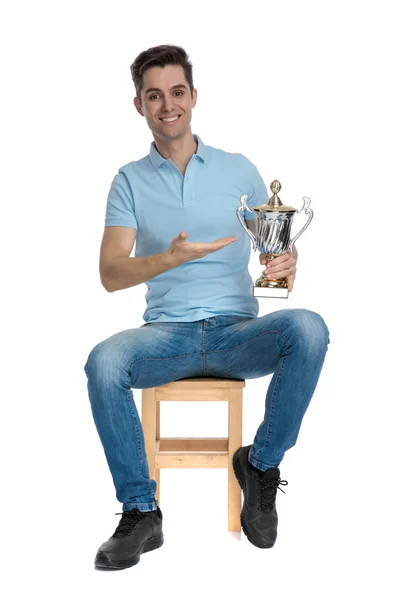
160, 56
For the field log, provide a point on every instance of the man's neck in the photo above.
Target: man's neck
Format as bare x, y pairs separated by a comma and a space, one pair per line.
179, 150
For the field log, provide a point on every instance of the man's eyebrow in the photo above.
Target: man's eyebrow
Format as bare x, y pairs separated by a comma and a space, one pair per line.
173, 87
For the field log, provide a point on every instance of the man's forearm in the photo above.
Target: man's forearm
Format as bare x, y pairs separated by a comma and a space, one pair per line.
124, 272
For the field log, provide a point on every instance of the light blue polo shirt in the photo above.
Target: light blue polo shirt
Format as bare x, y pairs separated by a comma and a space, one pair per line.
152, 196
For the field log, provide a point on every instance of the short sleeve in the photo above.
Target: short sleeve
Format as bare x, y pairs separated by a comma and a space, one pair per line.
120, 204
257, 192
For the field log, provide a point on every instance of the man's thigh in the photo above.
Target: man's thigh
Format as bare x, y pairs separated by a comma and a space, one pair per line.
250, 348
150, 355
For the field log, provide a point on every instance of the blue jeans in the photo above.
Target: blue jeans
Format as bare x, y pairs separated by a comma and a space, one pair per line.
289, 343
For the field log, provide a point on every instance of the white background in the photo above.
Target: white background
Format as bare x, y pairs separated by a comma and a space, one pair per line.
308, 91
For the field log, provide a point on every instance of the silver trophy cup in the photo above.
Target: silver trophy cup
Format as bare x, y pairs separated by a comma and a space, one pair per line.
270, 234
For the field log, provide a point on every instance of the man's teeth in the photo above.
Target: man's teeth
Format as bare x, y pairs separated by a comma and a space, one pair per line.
170, 120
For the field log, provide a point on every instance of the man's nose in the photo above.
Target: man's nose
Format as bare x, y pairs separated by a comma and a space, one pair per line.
168, 104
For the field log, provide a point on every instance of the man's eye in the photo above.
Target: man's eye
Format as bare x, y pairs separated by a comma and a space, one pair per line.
156, 95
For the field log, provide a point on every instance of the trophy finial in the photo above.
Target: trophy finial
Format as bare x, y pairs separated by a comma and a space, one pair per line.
275, 201
275, 186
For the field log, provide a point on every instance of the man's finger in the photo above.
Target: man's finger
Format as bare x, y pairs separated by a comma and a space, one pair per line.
278, 260
275, 268
276, 257
291, 272
279, 274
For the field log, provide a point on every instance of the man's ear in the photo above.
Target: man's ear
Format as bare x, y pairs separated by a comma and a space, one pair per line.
194, 101
137, 105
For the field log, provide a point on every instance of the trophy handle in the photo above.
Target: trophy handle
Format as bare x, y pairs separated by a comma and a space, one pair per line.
239, 212
308, 211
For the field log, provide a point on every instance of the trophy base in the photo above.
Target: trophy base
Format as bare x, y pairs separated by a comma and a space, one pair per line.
270, 292
270, 288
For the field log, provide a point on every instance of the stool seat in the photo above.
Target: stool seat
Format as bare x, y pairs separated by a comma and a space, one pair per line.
201, 453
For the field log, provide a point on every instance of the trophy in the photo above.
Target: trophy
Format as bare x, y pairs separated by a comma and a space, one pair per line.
272, 236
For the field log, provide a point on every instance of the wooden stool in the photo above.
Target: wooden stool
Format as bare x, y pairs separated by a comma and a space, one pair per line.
211, 453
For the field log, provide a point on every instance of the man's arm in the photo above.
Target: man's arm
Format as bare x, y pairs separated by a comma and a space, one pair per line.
118, 270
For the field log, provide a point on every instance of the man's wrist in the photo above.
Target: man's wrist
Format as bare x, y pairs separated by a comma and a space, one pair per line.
167, 260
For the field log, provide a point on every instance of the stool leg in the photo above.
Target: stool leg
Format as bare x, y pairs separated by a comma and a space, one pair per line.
234, 442
149, 424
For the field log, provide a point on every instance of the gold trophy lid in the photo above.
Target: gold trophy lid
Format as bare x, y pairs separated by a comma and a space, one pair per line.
275, 203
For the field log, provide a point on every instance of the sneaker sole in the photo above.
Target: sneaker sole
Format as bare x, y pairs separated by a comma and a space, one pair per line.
103, 562
239, 476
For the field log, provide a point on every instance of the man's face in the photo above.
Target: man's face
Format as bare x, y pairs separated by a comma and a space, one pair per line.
166, 95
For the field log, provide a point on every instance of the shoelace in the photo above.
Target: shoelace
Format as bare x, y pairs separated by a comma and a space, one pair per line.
128, 521
267, 491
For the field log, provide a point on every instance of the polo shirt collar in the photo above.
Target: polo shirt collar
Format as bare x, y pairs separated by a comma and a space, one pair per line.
157, 160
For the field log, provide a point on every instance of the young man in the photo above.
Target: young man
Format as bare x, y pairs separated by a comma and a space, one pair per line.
179, 204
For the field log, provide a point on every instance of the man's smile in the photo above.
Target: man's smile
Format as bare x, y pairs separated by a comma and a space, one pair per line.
170, 119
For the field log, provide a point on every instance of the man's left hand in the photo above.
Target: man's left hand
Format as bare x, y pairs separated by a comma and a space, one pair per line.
283, 265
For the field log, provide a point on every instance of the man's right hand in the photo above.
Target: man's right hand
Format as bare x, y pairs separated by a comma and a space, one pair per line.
182, 251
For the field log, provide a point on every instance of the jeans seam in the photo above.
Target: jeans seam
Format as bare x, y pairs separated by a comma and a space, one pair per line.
211, 351
168, 358
249, 341
137, 437
203, 351
204, 354
273, 398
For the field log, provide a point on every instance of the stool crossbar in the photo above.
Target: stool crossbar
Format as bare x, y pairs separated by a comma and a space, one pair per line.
201, 453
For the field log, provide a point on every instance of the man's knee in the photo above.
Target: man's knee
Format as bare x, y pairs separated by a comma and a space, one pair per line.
93, 361
308, 328
103, 361
313, 327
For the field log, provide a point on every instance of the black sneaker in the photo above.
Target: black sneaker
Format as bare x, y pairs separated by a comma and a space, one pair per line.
136, 533
258, 518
